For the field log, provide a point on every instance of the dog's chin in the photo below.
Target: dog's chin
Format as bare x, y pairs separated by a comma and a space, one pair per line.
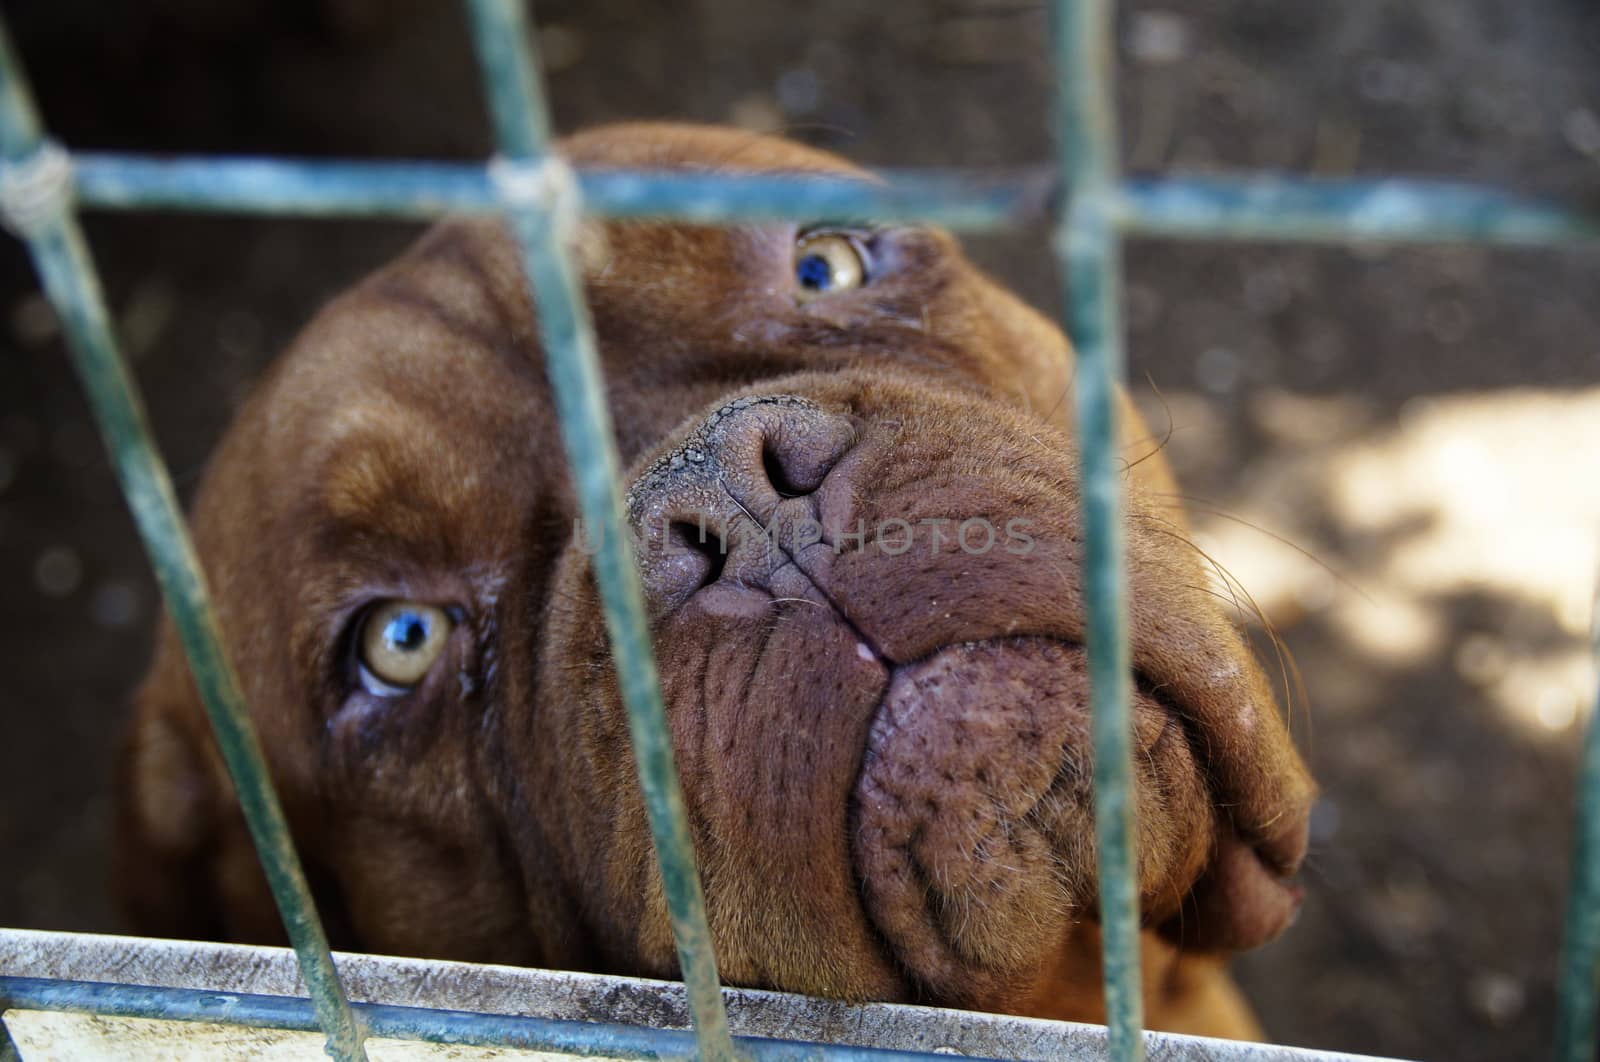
973, 828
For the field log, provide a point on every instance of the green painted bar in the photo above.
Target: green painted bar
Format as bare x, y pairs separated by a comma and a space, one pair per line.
1239, 207
43, 216
1345, 211
417, 189
1089, 246
8, 1046
425, 1024
543, 224
1578, 983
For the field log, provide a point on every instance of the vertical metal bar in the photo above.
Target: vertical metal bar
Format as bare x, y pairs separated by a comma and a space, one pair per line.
542, 226
1579, 980
1089, 245
34, 185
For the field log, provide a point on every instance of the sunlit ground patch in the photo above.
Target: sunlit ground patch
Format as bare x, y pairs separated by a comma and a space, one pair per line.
1465, 531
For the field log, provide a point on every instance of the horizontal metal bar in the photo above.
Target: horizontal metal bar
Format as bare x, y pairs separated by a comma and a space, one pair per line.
563, 1036
409, 1023
1339, 210
1277, 208
582, 997
282, 186
431, 189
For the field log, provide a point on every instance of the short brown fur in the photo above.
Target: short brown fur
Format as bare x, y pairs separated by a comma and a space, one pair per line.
406, 447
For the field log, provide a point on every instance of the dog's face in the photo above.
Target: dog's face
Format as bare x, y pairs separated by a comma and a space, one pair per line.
852, 486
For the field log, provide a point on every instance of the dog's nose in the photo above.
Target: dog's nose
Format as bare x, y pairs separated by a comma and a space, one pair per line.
726, 500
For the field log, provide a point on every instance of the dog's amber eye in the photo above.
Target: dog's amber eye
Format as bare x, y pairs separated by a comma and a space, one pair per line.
826, 262
399, 641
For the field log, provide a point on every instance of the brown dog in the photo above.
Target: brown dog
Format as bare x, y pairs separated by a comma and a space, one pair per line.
855, 497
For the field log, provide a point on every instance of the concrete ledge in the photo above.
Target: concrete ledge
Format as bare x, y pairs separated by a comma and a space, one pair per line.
229, 968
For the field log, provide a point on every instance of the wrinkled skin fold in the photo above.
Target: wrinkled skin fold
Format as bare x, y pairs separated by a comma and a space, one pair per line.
857, 529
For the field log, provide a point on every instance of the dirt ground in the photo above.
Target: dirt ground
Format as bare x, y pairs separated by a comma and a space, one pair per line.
1420, 424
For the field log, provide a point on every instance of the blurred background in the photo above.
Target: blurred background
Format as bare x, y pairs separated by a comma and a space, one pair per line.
1397, 453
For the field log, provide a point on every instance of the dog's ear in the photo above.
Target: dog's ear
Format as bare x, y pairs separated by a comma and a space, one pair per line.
167, 813
182, 861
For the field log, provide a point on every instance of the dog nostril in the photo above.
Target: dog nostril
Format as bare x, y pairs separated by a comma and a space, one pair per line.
697, 541
715, 494
798, 452
778, 476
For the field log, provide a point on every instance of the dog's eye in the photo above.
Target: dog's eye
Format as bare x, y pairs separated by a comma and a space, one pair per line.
398, 643
826, 262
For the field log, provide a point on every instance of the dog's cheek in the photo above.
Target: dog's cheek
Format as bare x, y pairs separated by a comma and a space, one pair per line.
769, 714
584, 838
1021, 354
406, 890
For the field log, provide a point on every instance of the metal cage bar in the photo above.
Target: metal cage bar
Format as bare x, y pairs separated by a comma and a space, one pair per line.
39, 207
1345, 211
1302, 209
544, 220
425, 1024
493, 992
430, 189
1088, 243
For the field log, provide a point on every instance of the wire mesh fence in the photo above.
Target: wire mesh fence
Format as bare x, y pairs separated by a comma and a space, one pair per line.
1090, 210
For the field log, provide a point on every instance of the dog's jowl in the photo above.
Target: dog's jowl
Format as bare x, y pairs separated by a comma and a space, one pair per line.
853, 499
